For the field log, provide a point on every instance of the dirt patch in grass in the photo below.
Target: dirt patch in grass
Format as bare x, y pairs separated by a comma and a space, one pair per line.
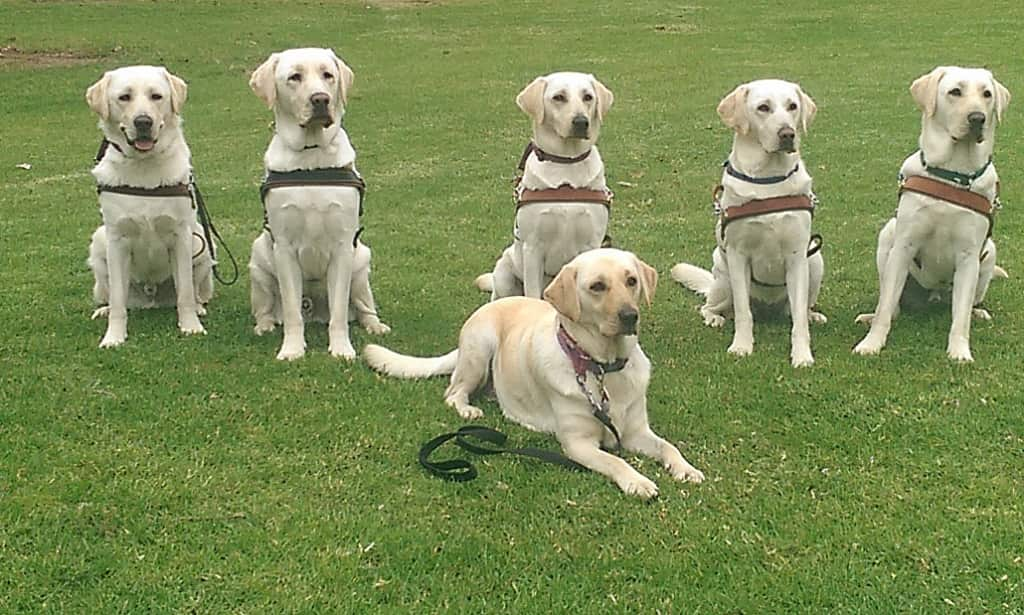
11, 56
406, 4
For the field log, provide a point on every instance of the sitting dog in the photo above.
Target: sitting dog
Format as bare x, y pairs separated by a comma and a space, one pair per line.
562, 200
765, 248
551, 360
942, 232
149, 251
309, 255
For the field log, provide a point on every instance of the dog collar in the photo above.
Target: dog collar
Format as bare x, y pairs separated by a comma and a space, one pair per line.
582, 362
963, 179
531, 148
774, 179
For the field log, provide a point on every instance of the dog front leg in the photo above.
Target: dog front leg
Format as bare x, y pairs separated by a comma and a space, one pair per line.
646, 442
533, 270
797, 287
893, 278
965, 282
339, 289
119, 261
580, 437
739, 283
289, 278
188, 317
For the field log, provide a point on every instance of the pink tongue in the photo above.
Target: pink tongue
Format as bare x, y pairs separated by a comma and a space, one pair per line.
143, 146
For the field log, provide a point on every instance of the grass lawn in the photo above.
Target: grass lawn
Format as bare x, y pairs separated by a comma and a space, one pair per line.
200, 475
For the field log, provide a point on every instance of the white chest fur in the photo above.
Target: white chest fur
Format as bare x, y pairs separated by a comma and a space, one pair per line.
314, 221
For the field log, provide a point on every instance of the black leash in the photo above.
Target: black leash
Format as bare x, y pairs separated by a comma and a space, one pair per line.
491, 442
210, 232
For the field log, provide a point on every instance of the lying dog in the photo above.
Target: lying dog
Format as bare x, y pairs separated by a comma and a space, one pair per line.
312, 198
550, 360
562, 199
941, 234
149, 251
765, 250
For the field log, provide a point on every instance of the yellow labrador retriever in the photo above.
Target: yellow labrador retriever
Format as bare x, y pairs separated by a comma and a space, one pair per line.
553, 360
941, 234
308, 261
149, 251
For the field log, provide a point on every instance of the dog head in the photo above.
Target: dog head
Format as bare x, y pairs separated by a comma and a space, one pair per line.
602, 289
308, 87
566, 106
136, 104
966, 103
772, 112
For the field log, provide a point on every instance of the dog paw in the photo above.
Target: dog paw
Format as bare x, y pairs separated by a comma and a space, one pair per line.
200, 309
191, 326
376, 327
741, 349
864, 319
342, 350
867, 346
113, 340
816, 318
101, 312
469, 412
638, 485
802, 359
712, 319
685, 472
982, 314
264, 326
290, 351
959, 351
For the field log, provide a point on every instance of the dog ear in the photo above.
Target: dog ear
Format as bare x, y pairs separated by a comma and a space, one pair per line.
263, 83
1002, 99
179, 91
925, 90
531, 99
648, 280
807, 109
604, 97
562, 294
345, 77
733, 110
96, 96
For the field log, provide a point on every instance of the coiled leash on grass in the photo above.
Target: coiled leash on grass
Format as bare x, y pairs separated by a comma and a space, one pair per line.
460, 470
210, 232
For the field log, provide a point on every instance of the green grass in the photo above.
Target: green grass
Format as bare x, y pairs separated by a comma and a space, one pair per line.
177, 475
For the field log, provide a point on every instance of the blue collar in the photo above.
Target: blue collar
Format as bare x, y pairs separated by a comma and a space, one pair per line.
775, 179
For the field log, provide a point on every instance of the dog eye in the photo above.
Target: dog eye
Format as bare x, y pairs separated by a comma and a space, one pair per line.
156, 96
296, 77
588, 97
792, 106
631, 281
328, 76
598, 287
559, 98
955, 92
124, 97
987, 94
763, 108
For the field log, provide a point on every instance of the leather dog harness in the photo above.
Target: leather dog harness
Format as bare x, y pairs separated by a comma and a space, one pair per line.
189, 190
562, 194
961, 197
331, 176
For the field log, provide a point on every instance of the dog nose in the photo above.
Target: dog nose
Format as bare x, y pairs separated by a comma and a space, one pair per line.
976, 118
143, 123
580, 122
628, 316
319, 99
786, 134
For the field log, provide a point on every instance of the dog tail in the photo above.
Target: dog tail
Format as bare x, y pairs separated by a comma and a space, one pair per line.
485, 282
404, 366
696, 279
999, 272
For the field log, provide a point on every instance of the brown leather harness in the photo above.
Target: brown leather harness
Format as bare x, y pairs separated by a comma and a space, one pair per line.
961, 197
562, 194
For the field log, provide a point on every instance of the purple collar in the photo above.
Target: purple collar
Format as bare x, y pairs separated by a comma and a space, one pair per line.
583, 362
